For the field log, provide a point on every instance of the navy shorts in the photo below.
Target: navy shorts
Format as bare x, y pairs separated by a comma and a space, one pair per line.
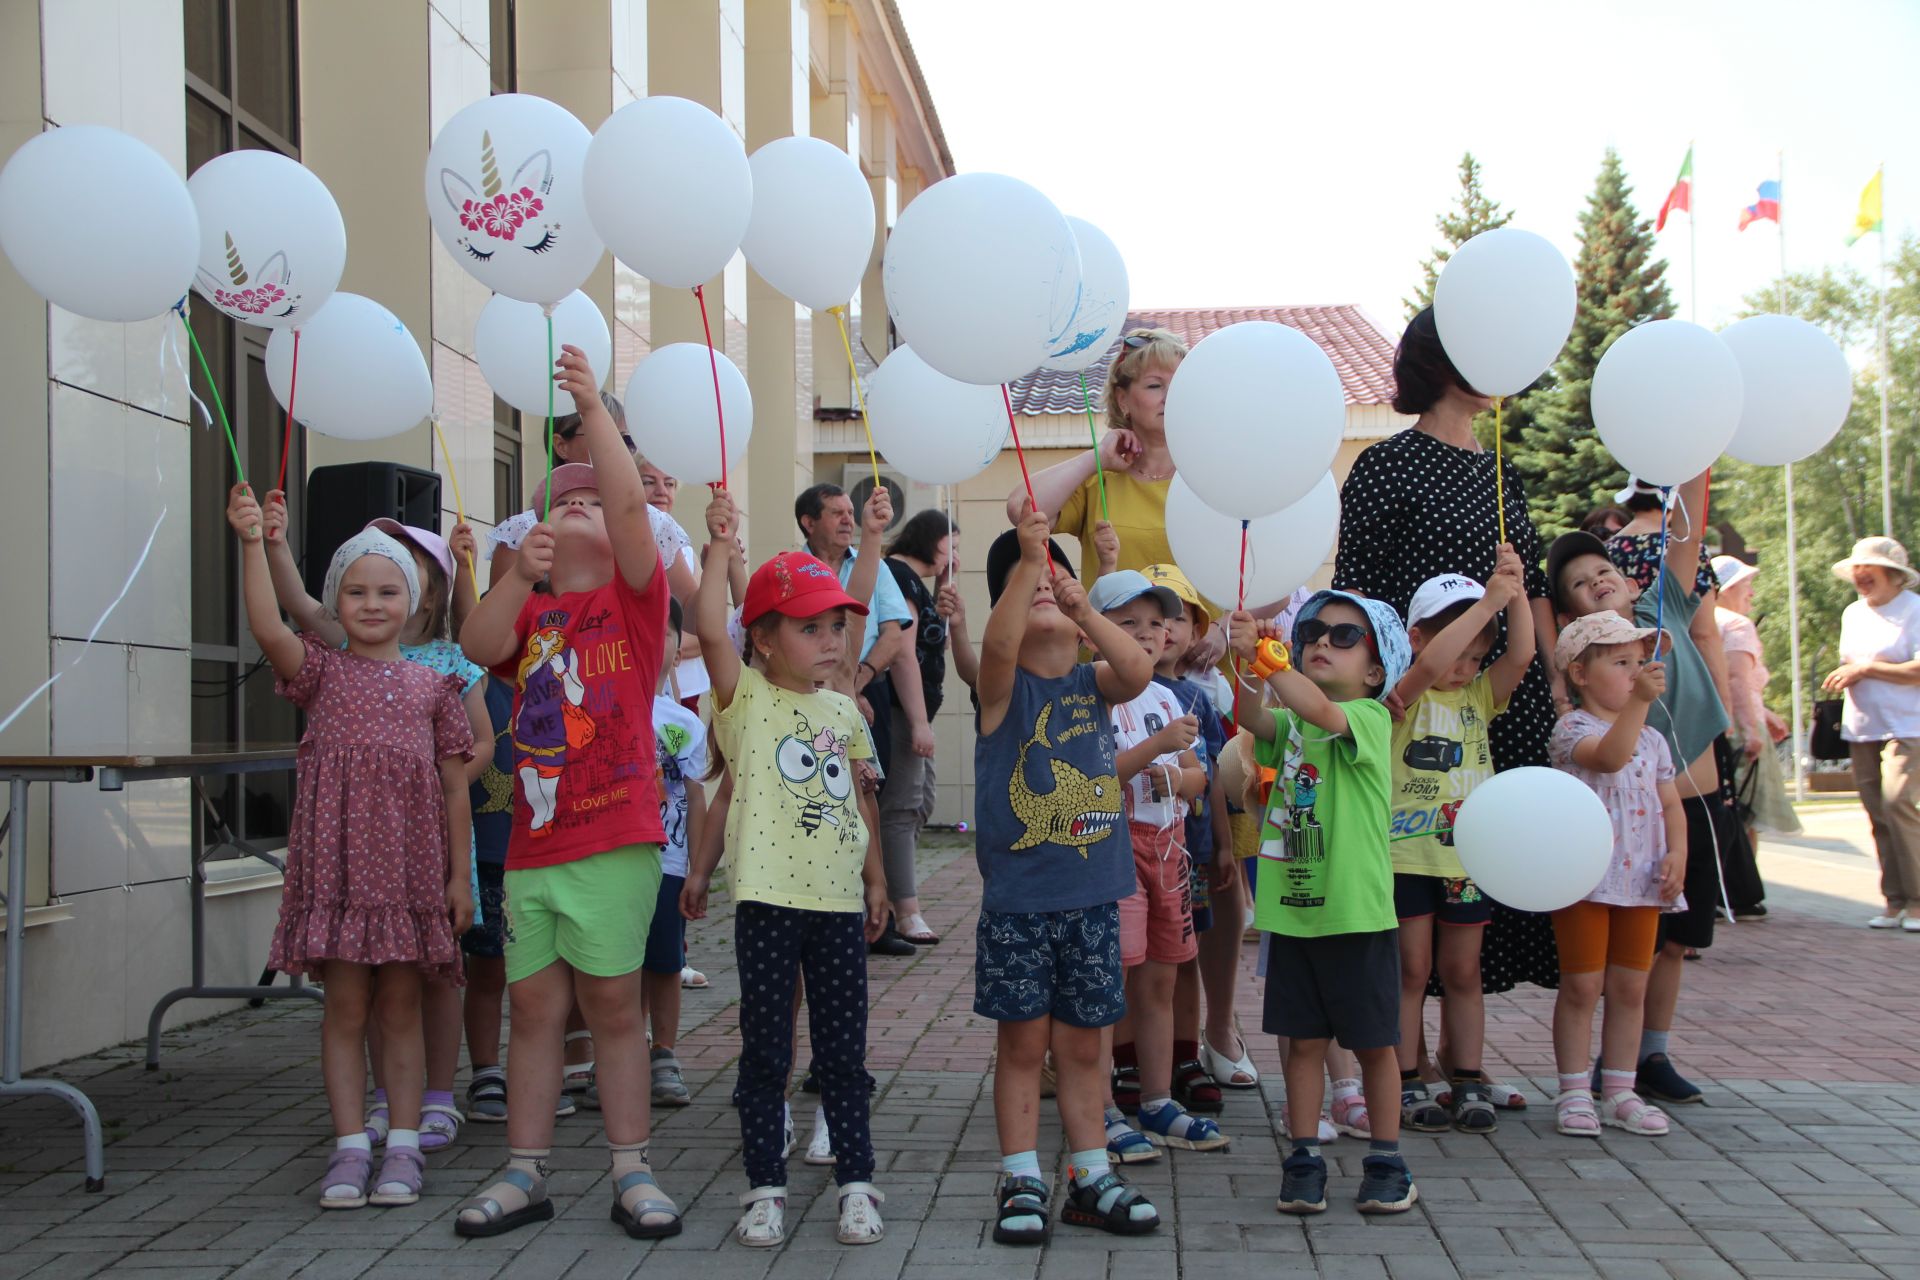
488, 939
1457, 902
667, 935
1344, 987
1063, 964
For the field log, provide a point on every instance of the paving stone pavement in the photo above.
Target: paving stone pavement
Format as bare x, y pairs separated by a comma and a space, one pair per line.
1806, 1163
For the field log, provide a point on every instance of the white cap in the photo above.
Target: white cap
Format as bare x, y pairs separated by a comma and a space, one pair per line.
1437, 595
1731, 571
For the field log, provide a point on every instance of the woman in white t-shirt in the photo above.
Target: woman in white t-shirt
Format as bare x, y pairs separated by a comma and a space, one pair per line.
1758, 780
1879, 672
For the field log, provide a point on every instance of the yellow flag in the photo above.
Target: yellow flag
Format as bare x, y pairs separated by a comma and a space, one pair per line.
1867, 221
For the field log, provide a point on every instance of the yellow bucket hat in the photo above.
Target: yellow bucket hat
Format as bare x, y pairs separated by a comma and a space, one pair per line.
1170, 577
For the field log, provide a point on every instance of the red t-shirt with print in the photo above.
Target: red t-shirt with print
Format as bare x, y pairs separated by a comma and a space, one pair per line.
582, 726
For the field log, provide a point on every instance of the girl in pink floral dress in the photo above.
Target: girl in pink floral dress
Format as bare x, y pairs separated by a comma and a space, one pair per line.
377, 883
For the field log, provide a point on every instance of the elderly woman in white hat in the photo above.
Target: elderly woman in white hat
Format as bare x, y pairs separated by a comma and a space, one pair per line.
1879, 672
1758, 782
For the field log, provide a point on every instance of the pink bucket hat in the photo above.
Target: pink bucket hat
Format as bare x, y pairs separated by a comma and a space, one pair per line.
425, 539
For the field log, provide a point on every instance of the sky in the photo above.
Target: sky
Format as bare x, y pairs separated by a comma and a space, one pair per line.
1264, 152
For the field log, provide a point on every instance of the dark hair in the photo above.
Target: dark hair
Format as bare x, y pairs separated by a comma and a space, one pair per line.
1600, 517
812, 502
567, 427
676, 618
1421, 370
1643, 500
920, 536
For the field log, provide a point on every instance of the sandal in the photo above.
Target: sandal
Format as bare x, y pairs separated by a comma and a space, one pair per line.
915, 930
1420, 1112
1574, 1114
487, 1099
692, 979
1195, 1089
1628, 1110
378, 1121
1023, 1197
1082, 1206
669, 1086
576, 1078
439, 1125
1131, 1147
1350, 1116
1163, 1129
1229, 1073
860, 1214
347, 1168
1506, 1097
1473, 1107
1126, 1090
631, 1218
764, 1224
495, 1218
404, 1167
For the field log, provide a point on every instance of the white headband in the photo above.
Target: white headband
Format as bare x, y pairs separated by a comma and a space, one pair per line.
369, 542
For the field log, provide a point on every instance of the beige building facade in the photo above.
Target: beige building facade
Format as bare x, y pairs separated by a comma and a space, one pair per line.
103, 437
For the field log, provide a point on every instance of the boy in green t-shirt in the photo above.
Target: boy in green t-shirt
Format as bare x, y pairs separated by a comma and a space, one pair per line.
1325, 890
1440, 754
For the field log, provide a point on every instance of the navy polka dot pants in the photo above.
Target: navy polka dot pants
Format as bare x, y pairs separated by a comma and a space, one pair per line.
772, 946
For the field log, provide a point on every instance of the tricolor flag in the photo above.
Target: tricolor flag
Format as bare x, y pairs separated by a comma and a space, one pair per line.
1868, 221
1767, 206
1680, 199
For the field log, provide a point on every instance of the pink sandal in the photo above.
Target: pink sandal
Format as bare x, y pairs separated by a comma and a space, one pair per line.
1627, 1110
1350, 1116
1574, 1114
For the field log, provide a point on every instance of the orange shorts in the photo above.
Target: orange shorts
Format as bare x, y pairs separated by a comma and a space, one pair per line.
1156, 923
1593, 935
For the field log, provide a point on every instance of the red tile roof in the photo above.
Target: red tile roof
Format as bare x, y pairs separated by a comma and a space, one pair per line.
1361, 352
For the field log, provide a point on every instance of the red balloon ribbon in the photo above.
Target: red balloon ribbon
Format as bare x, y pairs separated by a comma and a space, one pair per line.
713, 362
293, 388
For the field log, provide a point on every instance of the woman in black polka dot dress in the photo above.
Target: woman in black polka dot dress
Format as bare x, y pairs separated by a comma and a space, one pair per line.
1422, 503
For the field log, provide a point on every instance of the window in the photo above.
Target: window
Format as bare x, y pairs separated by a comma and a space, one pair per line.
242, 91
504, 47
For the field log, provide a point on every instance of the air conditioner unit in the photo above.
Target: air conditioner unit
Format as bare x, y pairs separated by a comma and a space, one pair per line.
909, 496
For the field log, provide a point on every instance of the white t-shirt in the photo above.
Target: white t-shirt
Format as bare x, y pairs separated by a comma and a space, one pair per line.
1880, 710
1133, 723
668, 536
680, 745
691, 673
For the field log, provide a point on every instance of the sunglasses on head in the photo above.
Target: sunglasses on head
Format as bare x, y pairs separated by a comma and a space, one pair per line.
1341, 635
1137, 340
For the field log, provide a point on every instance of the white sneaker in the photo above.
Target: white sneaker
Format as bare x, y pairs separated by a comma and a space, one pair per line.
764, 1224
1886, 922
820, 1145
1911, 924
860, 1214
788, 1139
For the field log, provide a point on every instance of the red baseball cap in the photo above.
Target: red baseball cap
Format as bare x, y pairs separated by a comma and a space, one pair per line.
798, 585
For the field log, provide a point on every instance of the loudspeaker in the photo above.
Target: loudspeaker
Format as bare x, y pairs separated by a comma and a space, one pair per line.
340, 501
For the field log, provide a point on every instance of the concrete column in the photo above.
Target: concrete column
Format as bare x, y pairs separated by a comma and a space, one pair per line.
835, 118
683, 59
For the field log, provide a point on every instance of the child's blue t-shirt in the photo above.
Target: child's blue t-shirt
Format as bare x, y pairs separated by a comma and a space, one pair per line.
1047, 803
1196, 701
492, 795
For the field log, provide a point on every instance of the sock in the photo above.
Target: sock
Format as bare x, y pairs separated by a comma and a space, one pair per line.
352, 1142
1117, 1126
1089, 1166
1389, 1147
1351, 1088
1154, 1104
628, 1157
1572, 1081
1025, 1164
482, 1073
1309, 1146
443, 1097
1409, 1080
1463, 1076
1652, 1042
1186, 1051
398, 1140
531, 1161
1615, 1083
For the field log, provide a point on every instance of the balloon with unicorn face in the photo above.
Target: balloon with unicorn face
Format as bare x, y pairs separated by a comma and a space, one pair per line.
272, 244
503, 194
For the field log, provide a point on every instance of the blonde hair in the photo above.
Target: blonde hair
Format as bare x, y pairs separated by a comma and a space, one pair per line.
1160, 350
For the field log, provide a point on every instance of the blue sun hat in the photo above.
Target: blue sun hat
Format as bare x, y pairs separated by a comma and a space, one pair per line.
1389, 633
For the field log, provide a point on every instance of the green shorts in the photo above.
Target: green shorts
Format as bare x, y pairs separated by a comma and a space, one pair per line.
594, 913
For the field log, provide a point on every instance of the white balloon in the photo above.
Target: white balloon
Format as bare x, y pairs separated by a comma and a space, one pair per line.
931, 427
361, 374
670, 412
510, 344
982, 277
1504, 306
97, 222
1260, 386
1284, 549
1666, 400
1798, 389
1102, 314
1498, 834
503, 194
272, 245
811, 233
669, 189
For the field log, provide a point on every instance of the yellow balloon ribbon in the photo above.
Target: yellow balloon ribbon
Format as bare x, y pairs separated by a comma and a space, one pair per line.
459, 506
853, 372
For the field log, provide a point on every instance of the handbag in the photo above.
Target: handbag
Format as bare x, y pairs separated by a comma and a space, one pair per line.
1825, 742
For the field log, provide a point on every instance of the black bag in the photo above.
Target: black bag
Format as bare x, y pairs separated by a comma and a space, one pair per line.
1825, 742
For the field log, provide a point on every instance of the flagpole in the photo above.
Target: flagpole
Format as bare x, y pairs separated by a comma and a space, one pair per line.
1693, 241
1793, 641
1780, 225
1886, 374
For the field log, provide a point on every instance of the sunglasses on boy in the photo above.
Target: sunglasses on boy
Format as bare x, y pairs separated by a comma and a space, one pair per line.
1341, 635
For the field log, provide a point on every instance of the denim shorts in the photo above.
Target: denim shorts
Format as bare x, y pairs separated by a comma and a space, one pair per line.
667, 935
1063, 964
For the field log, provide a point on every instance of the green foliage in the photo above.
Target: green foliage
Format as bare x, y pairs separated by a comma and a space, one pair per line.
1471, 214
1837, 491
1618, 283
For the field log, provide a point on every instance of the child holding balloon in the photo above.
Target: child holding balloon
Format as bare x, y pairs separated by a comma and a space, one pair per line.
1606, 942
368, 903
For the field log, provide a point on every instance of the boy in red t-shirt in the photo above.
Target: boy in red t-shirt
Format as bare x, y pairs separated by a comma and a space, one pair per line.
579, 627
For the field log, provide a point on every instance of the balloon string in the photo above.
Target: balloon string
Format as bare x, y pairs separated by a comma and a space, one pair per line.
1087, 400
853, 372
293, 389
1233, 717
719, 410
547, 510
180, 309
1660, 579
1499, 473
459, 506
1020, 453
